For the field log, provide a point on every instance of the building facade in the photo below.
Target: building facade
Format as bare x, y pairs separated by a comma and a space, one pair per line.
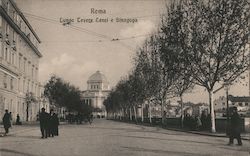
241, 102
19, 62
97, 91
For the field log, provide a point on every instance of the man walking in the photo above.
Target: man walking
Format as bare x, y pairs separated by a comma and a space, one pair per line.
235, 127
44, 118
6, 122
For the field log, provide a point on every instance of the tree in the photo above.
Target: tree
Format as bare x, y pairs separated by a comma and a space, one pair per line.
172, 28
62, 94
215, 35
29, 99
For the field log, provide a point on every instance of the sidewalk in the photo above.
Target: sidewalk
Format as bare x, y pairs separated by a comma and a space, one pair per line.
15, 129
26, 126
244, 136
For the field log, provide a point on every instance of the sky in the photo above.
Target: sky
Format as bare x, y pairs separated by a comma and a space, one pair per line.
76, 50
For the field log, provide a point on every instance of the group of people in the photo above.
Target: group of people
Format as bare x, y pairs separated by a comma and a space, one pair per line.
195, 122
204, 123
49, 123
79, 118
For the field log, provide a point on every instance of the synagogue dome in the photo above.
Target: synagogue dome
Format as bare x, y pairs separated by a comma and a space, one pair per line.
97, 77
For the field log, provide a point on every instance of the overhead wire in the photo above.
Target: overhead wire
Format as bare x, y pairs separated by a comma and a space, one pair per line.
83, 30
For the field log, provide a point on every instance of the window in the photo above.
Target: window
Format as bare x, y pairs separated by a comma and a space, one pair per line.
223, 103
6, 54
11, 84
23, 85
24, 64
19, 63
7, 30
28, 85
5, 81
8, 6
2, 50
233, 103
19, 81
10, 57
32, 71
246, 104
240, 104
13, 59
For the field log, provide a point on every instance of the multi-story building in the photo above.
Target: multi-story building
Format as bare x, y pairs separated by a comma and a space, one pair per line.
19, 61
97, 91
241, 102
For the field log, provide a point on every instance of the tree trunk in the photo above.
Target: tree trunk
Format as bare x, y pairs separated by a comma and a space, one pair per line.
142, 115
130, 114
162, 113
150, 113
182, 112
27, 112
211, 103
120, 115
135, 114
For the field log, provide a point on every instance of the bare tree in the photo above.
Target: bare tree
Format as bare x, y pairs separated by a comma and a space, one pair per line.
216, 35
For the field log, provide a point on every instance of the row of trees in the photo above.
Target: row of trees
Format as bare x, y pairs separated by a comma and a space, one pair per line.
198, 43
63, 94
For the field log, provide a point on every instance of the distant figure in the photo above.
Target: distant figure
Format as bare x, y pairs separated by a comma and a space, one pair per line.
44, 118
198, 122
90, 118
18, 122
10, 119
235, 127
6, 122
204, 120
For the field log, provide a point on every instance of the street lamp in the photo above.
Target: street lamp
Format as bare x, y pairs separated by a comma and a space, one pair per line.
226, 87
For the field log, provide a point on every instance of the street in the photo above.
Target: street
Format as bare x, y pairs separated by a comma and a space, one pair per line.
110, 138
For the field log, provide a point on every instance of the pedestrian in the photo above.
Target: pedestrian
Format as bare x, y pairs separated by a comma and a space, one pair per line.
44, 118
204, 116
90, 118
18, 122
198, 122
235, 128
6, 121
10, 119
50, 124
54, 125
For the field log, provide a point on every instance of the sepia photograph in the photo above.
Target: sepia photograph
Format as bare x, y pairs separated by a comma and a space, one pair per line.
125, 77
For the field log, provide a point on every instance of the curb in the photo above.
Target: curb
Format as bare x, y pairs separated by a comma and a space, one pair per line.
206, 134
187, 131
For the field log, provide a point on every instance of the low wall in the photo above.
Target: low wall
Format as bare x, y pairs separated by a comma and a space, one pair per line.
220, 123
247, 125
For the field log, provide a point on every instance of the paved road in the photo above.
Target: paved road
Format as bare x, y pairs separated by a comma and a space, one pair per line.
109, 138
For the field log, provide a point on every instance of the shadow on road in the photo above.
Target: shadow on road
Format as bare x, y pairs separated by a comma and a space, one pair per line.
178, 140
15, 152
163, 151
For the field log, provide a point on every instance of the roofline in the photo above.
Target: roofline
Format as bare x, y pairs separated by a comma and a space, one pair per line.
18, 30
25, 20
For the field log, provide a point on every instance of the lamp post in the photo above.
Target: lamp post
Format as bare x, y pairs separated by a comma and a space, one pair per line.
226, 87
